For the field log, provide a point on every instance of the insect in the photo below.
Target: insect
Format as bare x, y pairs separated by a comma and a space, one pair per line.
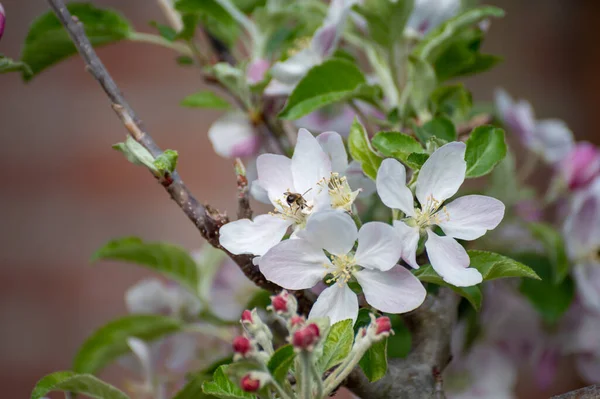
296, 199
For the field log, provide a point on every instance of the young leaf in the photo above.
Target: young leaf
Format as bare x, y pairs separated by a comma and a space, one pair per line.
222, 387
422, 82
416, 160
454, 102
439, 127
68, 381
472, 294
337, 345
361, 150
110, 341
213, 16
374, 362
555, 249
281, 361
48, 43
205, 99
172, 261
485, 149
386, 19
166, 162
396, 145
9, 65
333, 81
493, 266
136, 153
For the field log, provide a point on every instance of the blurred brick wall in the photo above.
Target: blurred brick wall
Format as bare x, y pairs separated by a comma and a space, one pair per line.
65, 191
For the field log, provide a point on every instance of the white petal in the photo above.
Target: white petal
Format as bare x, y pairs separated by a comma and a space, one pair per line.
148, 296
310, 163
294, 264
409, 241
337, 303
275, 175
333, 145
394, 291
554, 139
471, 216
391, 187
504, 102
233, 136
141, 350
294, 68
357, 179
451, 261
255, 237
443, 173
277, 88
183, 350
334, 231
427, 15
582, 226
377, 246
259, 193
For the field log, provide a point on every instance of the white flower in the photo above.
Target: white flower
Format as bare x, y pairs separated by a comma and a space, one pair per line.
155, 297
288, 73
582, 238
466, 218
428, 14
233, 136
302, 263
550, 138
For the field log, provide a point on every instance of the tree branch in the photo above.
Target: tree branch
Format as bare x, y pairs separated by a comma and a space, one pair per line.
591, 392
417, 375
207, 219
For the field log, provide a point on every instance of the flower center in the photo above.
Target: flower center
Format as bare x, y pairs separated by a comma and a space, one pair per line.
340, 193
428, 214
293, 207
342, 269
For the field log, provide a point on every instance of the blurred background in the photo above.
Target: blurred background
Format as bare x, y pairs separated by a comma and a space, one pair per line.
65, 192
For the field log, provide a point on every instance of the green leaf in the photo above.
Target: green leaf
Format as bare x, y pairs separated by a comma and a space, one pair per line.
68, 381
386, 19
136, 153
193, 388
399, 344
416, 160
361, 150
422, 82
374, 362
281, 361
170, 260
472, 294
48, 43
396, 145
213, 16
165, 31
110, 341
454, 102
166, 162
440, 127
205, 99
493, 266
337, 345
549, 299
485, 149
330, 82
440, 38
222, 387
555, 249
9, 65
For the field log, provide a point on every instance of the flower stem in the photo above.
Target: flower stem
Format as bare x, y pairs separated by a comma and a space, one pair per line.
160, 41
305, 382
345, 368
356, 216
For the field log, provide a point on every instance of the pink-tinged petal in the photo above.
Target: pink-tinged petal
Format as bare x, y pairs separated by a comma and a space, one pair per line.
334, 231
518, 117
409, 241
442, 174
471, 216
582, 226
394, 291
428, 14
333, 145
588, 366
553, 139
233, 136
377, 246
294, 68
326, 38
2, 20
451, 261
310, 164
357, 179
587, 277
325, 41
254, 237
391, 187
142, 351
255, 73
294, 264
546, 369
336, 302
581, 165
275, 175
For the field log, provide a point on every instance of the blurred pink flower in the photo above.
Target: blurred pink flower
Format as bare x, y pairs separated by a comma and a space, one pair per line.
581, 165
2, 20
428, 14
233, 136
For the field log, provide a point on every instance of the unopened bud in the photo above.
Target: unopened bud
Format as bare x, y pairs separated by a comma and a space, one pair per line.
297, 321
284, 304
305, 338
2, 20
249, 384
384, 325
242, 345
247, 316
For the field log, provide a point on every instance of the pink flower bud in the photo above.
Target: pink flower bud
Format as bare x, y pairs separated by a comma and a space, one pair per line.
581, 165
2, 20
306, 337
241, 345
249, 384
384, 325
280, 302
247, 316
297, 321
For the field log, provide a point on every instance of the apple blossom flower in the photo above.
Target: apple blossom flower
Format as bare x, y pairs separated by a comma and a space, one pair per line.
286, 74
551, 139
428, 14
2, 20
302, 263
465, 218
297, 188
581, 165
233, 136
582, 238
156, 297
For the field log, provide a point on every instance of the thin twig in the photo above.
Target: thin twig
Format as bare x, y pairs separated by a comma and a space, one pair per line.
591, 392
207, 219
